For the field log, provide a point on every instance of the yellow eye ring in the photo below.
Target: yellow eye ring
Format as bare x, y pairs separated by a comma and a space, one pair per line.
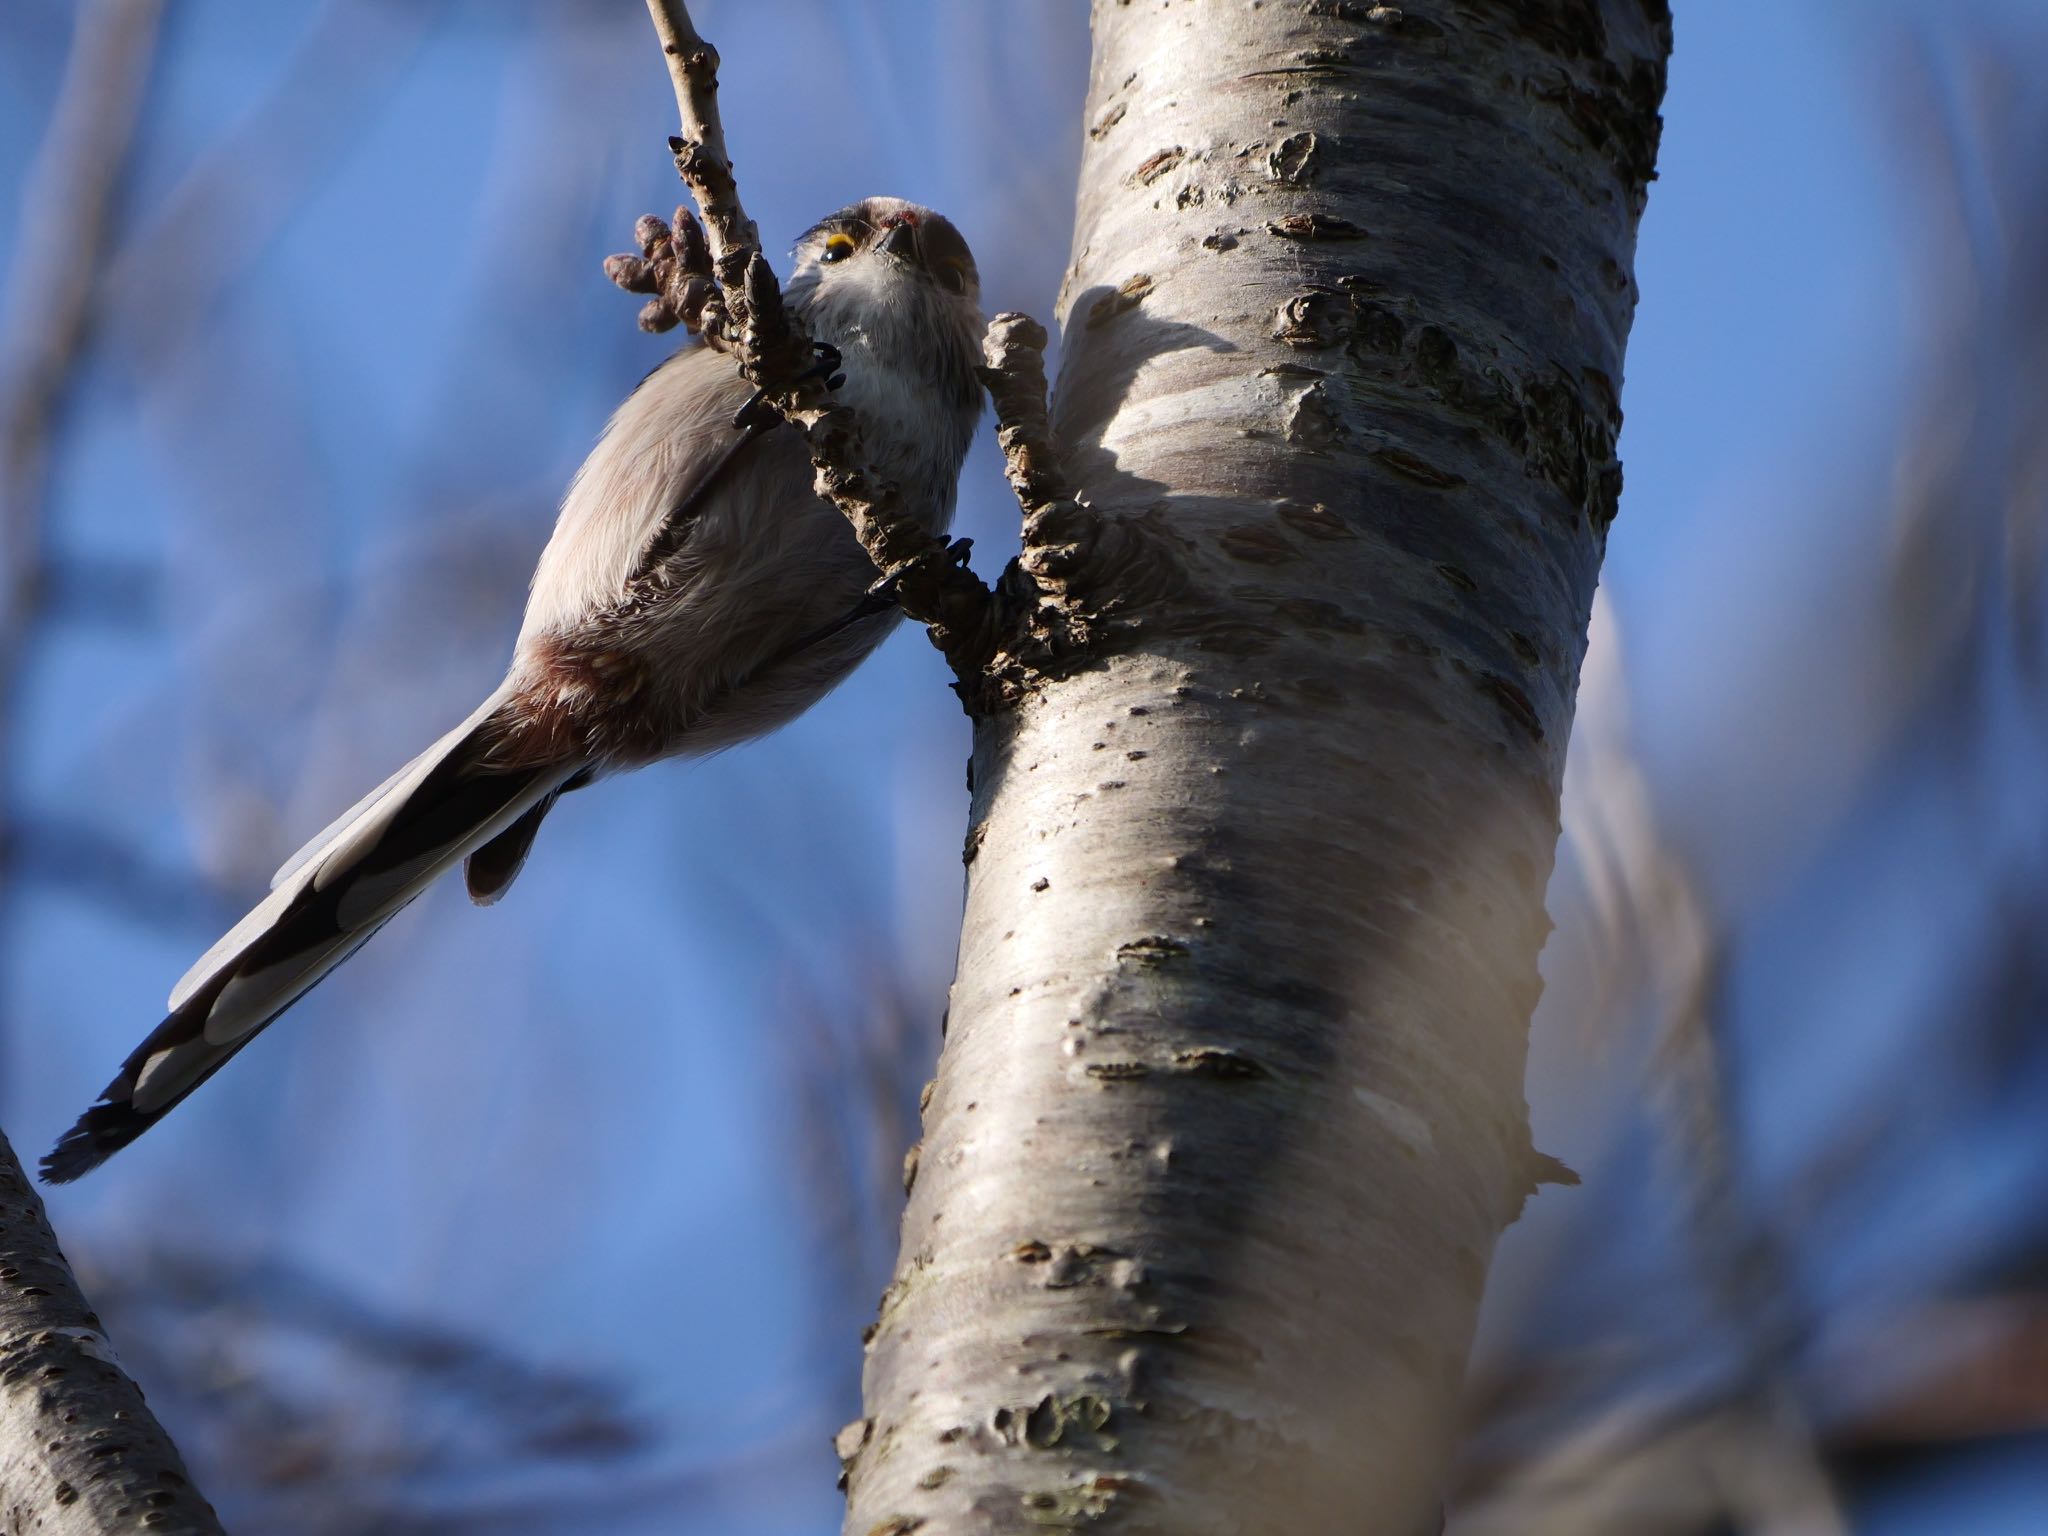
837, 248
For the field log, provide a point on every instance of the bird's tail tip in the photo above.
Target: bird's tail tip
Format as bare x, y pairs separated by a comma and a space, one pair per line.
100, 1132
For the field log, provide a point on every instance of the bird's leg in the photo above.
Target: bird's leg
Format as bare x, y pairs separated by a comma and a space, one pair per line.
756, 412
879, 598
825, 367
884, 591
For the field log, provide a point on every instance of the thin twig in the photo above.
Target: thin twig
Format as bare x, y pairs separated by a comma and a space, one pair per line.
701, 158
1060, 533
68, 213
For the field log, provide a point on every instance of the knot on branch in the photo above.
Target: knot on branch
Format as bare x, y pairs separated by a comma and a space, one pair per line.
705, 170
697, 60
960, 614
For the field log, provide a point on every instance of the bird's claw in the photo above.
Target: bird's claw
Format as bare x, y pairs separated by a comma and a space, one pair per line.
755, 413
884, 590
825, 365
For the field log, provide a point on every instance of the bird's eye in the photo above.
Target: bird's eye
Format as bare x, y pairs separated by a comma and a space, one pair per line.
837, 248
953, 277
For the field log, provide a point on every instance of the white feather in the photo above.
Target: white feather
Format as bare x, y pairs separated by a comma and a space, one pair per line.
169, 1073
670, 435
231, 944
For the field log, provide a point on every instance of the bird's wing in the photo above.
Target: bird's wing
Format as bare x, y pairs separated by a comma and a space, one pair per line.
631, 504
665, 450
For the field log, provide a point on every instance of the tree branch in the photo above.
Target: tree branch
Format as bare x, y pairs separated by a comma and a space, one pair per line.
748, 318
1060, 533
80, 1453
700, 153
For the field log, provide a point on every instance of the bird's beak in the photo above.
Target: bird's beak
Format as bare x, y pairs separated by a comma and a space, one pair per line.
900, 241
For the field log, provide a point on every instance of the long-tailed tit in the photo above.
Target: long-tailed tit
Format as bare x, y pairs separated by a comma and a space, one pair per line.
696, 592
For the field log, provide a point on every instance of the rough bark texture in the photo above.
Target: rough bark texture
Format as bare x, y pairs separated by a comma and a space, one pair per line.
80, 1454
1230, 1112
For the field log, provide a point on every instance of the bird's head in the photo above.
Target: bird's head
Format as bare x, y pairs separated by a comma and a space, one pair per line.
892, 274
889, 249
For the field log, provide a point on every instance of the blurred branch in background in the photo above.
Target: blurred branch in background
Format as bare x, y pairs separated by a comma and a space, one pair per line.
321, 1416
854, 1063
1616, 1434
46, 321
1958, 1363
1598, 1443
217, 228
66, 222
213, 226
1970, 529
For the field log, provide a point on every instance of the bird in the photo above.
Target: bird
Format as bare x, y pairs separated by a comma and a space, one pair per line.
696, 592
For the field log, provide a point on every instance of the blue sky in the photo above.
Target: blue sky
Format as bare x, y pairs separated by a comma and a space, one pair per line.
565, 1121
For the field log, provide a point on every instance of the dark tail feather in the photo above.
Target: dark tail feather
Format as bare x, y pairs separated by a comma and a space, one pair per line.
313, 922
490, 871
116, 1120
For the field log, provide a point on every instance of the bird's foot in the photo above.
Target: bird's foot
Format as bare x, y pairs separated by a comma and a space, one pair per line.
756, 412
884, 590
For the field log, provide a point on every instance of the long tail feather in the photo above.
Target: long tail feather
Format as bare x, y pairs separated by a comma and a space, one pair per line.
372, 864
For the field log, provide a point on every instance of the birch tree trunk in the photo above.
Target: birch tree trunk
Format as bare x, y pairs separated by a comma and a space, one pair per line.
80, 1453
1229, 1114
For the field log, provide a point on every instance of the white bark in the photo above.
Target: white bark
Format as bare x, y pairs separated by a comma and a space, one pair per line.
80, 1454
1229, 1114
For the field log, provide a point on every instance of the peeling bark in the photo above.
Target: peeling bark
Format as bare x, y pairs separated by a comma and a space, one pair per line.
1230, 1113
80, 1453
